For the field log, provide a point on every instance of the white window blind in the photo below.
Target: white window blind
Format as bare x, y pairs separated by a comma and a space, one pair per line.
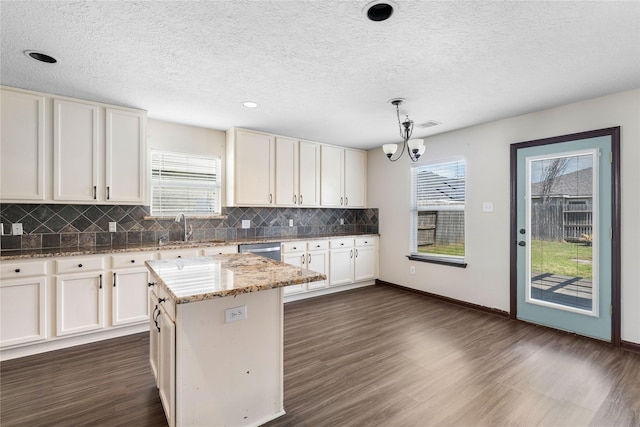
438, 210
184, 183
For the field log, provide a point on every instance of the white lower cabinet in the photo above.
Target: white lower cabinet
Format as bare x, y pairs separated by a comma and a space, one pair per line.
341, 262
79, 303
294, 253
318, 261
364, 262
129, 288
154, 336
23, 310
167, 362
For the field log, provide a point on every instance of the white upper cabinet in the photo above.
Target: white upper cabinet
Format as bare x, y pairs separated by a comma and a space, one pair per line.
22, 146
309, 174
63, 150
343, 177
286, 178
75, 151
250, 168
126, 171
269, 170
332, 176
355, 178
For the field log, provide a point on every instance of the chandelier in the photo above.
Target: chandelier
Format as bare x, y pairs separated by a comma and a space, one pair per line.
414, 147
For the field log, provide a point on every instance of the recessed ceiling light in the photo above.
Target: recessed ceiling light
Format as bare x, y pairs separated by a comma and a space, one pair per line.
250, 104
379, 11
39, 56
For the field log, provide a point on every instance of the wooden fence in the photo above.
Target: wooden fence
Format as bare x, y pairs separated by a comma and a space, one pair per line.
557, 222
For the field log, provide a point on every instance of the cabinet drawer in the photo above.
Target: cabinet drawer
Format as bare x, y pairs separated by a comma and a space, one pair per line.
179, 253
78, 265
365, 241
217, 250
168, 303
131, 259
341, 243
318, 245
16, 270
298, 246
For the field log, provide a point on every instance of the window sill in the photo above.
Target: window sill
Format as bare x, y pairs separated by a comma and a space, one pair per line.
441, 261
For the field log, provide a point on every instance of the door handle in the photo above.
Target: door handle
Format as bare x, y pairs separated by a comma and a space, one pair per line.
522, 231
521, 243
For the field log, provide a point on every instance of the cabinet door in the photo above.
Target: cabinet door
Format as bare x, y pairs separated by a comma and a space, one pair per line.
154, 337
331, 176
23, 311
297, 259
79, 303
341, 267
318, 261
355, 178
22, 174
364, 264
167, 367
129, 295
286, 193
309, 174
75, 151
126, 170
254, 174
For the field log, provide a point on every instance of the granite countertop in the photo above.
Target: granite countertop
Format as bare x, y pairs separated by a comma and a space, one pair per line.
14, 254
202, 278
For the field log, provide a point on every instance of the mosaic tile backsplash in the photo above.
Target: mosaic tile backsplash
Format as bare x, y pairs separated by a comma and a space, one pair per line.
69, 226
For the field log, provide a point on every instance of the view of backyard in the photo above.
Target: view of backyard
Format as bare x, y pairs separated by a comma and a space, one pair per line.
561, 258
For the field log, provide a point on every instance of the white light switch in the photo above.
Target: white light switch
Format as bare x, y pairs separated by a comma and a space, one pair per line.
487, 207
16, 229
246, 223
290, 223
235, 313
112, 227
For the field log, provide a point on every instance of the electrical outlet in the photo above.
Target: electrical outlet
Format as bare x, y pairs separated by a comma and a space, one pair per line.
112, 227
341, 221
412, 270
487, 207
16, 229
290, 223
235, 313
246, 223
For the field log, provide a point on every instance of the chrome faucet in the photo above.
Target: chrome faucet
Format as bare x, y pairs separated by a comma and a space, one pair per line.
187, 234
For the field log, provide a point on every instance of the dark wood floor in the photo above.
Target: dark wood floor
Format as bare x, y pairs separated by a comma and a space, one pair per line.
377, 356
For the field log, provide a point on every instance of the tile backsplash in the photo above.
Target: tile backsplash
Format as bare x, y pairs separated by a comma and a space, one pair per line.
69, 226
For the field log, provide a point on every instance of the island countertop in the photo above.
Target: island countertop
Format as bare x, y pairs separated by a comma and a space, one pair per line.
202, 278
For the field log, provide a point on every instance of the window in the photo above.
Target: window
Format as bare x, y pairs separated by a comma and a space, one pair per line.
438, 212
184, 183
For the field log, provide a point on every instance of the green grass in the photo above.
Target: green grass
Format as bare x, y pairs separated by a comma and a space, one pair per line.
560, 258
455, 249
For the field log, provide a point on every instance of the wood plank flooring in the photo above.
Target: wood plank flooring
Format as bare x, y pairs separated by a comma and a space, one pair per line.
376, 356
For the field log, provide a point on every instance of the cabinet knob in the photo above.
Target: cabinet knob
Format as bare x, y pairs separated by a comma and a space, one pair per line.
133, 261
160, 300
17, 270
294, 248
317, 246
179, 256
79, 265
151, 284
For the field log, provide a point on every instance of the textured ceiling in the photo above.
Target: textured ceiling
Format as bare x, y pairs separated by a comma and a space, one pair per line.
319, 69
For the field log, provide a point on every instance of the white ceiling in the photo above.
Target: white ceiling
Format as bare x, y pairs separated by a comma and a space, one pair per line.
320, 70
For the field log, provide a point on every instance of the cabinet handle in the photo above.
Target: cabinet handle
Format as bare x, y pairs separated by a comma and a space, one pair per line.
346, 201
340, 201
356, 253
114, 279
270, 198
301, 199
295, 200
351, 253
101, 281
95, 191
302, 259
17, 270
108, 193
155, 316
79, 265
309, 259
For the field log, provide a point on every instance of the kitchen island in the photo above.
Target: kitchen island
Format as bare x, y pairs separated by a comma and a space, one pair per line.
216, 337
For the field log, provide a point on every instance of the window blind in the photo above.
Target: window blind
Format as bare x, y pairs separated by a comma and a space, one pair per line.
184, 183
440, 186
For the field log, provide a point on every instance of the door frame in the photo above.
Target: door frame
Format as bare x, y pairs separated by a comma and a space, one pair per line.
614, 133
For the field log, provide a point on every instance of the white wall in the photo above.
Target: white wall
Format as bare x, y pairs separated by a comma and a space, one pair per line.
187, 139
485, 281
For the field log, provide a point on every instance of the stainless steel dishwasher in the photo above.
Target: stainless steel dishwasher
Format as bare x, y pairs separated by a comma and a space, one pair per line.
269, 250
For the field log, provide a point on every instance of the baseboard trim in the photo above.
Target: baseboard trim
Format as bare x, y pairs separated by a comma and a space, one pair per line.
489, 310
631, 346
325, 291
